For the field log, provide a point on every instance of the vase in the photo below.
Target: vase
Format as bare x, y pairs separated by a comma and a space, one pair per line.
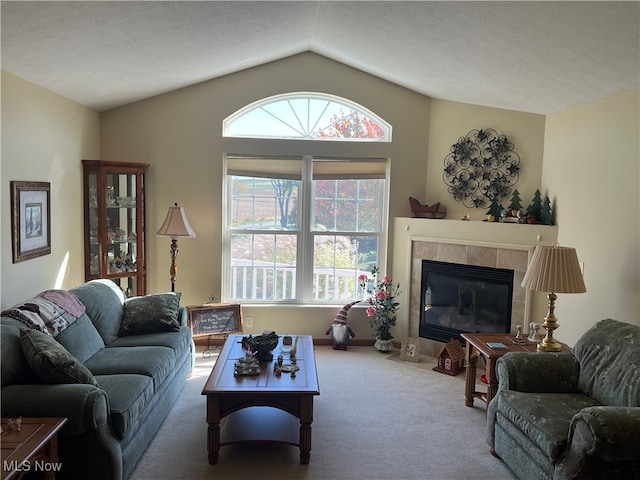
383, 345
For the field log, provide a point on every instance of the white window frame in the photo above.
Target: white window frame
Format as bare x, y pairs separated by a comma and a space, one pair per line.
299, 121
304, 262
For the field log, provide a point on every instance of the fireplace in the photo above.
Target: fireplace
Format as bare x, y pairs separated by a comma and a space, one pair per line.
457, 298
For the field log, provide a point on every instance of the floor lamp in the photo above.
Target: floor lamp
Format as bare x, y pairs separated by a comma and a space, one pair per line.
174, 226
553, 269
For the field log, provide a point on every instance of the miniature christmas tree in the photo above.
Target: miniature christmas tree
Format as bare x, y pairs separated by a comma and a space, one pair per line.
535, 209
495, 210
515, 201
545, 214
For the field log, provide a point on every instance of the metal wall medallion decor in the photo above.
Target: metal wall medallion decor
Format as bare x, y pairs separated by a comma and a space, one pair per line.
480, 167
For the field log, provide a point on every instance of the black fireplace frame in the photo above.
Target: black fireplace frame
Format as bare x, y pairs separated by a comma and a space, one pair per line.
500, 276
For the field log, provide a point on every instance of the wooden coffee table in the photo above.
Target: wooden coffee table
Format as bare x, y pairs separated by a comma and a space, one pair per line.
477, 347
261, 408
32, 449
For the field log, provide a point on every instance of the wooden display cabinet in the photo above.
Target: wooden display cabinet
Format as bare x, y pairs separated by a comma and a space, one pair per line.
114, 223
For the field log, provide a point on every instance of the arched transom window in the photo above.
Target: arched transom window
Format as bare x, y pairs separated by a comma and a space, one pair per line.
307, 116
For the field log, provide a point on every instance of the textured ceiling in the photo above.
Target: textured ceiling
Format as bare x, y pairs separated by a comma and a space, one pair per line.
537, 57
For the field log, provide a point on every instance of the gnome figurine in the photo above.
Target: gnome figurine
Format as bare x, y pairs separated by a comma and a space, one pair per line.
339, 329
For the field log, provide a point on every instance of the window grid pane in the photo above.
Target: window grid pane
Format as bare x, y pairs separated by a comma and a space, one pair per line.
263, 267
264, 203
338, 260
348, 205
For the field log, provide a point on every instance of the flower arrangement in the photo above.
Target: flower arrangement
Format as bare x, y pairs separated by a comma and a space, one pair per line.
382, 303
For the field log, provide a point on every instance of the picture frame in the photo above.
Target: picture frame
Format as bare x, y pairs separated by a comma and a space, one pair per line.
410, 350
30, 220
215, 319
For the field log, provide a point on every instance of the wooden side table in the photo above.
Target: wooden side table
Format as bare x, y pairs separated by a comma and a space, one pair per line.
477, 347
32, 449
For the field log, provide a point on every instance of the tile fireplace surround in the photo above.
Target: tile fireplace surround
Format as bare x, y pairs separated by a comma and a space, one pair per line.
486, 244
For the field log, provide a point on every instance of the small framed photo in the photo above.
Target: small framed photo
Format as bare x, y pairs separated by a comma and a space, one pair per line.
30, 220
215, 319
410, 350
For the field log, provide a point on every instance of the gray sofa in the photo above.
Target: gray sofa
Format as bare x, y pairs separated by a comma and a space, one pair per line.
127, 365
571, 415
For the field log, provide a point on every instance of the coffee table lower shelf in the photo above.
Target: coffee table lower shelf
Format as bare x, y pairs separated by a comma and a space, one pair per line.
260, 425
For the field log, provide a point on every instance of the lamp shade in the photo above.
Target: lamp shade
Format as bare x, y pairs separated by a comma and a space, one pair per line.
176, 224
554, 269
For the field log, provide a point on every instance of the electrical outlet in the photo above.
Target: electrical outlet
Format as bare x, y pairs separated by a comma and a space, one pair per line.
248, 322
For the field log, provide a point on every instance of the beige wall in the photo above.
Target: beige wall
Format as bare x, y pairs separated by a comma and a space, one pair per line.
592, 168
180, 135
452, 120
44, 137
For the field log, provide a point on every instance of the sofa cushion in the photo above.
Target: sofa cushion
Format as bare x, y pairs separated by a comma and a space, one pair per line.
81, 339
129, 396
150, 314
153, 361
15, 369
103, 300
543, 417
50, 361
177, 340
609, 355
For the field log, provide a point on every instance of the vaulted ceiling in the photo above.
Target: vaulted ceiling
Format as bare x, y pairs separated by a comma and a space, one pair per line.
537, 57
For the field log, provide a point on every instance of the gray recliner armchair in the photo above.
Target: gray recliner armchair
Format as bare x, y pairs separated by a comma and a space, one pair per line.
571, 415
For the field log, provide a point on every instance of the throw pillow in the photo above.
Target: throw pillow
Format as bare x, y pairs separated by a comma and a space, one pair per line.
50, 361
152, 313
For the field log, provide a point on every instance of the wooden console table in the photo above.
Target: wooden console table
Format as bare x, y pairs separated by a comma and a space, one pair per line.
477, 347
265, 407
32, 449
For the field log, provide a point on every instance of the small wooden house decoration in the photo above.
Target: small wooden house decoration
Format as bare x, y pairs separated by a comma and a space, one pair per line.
451, 358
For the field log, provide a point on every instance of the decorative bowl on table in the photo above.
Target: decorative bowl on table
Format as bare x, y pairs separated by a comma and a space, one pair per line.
262, 345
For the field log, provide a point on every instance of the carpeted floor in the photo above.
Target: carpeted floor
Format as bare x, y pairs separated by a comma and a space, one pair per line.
377, 417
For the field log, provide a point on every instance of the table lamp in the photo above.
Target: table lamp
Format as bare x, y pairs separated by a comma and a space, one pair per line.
553, 269
174, 226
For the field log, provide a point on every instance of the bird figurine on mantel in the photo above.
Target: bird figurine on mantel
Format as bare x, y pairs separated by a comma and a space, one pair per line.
340, 331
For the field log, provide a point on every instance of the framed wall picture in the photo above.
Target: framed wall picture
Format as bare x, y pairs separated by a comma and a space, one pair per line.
30, 219
410, 350
215, 318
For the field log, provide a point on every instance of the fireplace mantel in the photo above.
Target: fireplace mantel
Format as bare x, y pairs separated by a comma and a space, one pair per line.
501, 245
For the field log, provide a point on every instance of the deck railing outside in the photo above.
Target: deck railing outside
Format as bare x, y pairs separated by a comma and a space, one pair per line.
265, 281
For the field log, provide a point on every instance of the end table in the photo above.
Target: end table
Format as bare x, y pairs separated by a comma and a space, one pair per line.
477, 347
33, 448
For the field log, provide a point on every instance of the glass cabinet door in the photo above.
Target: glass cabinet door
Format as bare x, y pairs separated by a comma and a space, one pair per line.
121, 227
114, 223
92, 207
